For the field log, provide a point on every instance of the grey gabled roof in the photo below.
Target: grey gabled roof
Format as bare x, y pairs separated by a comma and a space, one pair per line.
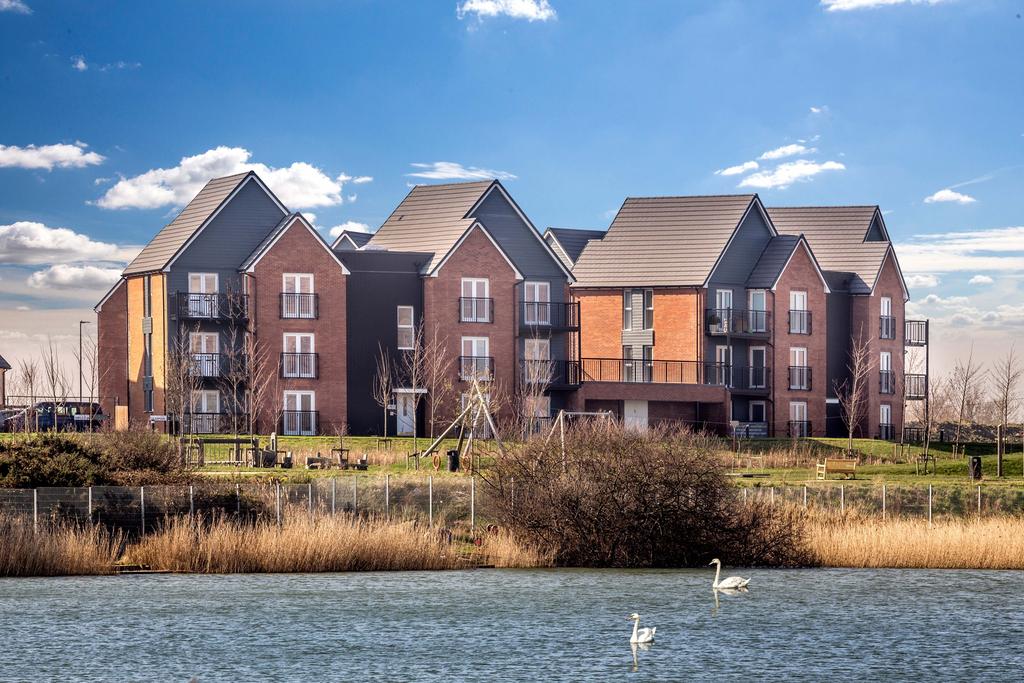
4, 365
356, 239
773, 259
568, 243
662, 241
837, 236
431, 219
169, 241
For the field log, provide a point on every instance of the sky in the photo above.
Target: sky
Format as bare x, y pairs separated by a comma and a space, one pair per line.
113, 115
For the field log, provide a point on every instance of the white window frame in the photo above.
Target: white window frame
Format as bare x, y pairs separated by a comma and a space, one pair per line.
202, 279
798, 300
723, 299
797, 354
648, 292
723, 365
758, 382
798, 411
409, 328
627, 309
885, 361
764, 411
885, 413
205, 421
204, 366
199, 303
757, 317
298, 427
295, 366
885, 306
537, 303
475, 308
468, 370
292, 283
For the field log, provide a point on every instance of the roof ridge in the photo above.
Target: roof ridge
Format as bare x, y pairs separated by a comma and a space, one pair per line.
461, 182
827, 206
735, 195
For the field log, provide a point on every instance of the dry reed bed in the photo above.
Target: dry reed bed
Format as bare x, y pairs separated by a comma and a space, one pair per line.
970, 543
63, 550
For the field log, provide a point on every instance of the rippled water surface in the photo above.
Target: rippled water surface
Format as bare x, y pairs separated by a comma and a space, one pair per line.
487, 625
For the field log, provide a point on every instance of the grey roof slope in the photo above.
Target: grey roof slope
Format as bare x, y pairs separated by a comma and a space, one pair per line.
358, 238
431, 219
836, 234
773, 259
662, 241
173, 236
4, 365
570, 242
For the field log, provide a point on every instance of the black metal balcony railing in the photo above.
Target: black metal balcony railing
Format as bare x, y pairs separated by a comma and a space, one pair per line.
476, 367
193, 306
916, 387
886, 432
886, 327
654, 371
299, 365
913, 435
750, 378
299, 422
916, 332
799, 322
213, 423
553, 373
799, 378
799, 428
476, 310
542, 315
296, 305
738, 322
206, 365
887, 382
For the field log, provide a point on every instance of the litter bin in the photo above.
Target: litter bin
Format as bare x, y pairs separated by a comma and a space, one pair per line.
286, 461
453, 461
974, 467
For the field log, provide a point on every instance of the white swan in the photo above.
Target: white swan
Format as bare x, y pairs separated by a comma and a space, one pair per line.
641, 635
731, 582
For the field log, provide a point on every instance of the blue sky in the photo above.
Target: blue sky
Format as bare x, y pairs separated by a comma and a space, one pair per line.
577, 104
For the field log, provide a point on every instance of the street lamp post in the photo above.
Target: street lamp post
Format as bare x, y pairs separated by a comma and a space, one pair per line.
80, 323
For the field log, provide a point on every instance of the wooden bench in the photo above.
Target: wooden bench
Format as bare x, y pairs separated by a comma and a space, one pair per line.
844, 466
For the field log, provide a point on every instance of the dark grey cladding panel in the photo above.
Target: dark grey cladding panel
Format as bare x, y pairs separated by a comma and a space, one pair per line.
773, 259
838, 344
571, 241
228, 239
740, 257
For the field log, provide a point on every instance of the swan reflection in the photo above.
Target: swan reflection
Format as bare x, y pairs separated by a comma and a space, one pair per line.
726, 591
638, 646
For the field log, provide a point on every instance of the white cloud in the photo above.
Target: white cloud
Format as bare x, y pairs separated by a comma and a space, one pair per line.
992, 250
62, 276
120, 65
78, 63
448, 170
299, 186
922, 280
310, 216
980, 280
350, 226
16, 6
948, 195
531, 10
847, 5
48, 156
31, 243
786, 151
784, 175
738, 169
823, 109
359, 180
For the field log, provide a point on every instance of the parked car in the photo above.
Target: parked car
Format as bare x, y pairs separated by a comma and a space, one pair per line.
69, 416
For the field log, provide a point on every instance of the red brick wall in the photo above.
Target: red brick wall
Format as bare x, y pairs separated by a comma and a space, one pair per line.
800, 275
112, 348
600, 322
476, 257
676, 324
298, 251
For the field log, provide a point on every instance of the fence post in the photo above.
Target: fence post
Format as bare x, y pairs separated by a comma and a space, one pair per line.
744, 496
805, 496
277, 498
387, 496
773, 496
355, 493
334, 495
35, 510
191, 501
309, 498
142, 505
238, 499
430, 500
842, 498
472, 502
929, 504
883, 501
90, 504
979, 500
512, 489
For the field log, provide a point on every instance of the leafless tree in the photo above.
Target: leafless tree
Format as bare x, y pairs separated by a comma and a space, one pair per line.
536, 377
383, 384
262, 380
437, 378
55, 378
1006, 375
88, 360
852, 391
181, 381
234, 374
966, 383
28, 376
411, 372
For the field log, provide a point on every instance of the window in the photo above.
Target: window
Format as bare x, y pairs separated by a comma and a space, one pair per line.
628, 369
299, 415
537, 305
202, 295
483, 429
297, 297
648, 309
406, 327
648, 355
475, 362
887, 379
537, 406
720, 318
885, 361
627, 309
723, 364
885, 426
799, 316
205, 416
757, 315
886, 320
798, 424
757, 412
537, 366
205, 349
799, 372
475, 306
299, 357
758, 372
723, 299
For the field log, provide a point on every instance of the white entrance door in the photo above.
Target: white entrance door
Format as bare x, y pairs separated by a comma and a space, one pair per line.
404, 416
300, 413
634, 414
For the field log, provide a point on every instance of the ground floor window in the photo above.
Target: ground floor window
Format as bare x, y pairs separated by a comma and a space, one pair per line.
757, 412
299, 416
798, 422
205, 416
482, 428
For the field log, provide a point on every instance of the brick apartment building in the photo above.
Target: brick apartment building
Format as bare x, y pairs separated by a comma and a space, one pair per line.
714, 311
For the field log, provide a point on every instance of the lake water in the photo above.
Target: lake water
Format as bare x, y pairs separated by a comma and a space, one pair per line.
537, 625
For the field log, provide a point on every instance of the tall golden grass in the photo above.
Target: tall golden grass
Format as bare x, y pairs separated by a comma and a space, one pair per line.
501, 549
970, 543
63, 550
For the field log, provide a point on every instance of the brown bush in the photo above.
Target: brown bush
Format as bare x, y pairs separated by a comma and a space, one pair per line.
622, 498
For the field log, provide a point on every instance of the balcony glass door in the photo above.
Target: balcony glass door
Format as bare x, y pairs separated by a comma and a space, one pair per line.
757, 313
758, 367
202, 295
475, 362
205, 348
723, 365
297, 301
537, 303
476, 306
205, 411
299, 357
537, 367
300, 413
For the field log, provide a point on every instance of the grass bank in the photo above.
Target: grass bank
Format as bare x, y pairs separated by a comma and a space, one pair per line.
59, 551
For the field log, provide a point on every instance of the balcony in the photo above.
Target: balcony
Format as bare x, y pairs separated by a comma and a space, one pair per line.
299, 365
553, 373
799, 322
653, 371
886, 327
192, 306
480, 368
476, 310
799, 378
738, 323
916, 333
887, 382
913, 435
916, 387
299, 422
206, 365
886, 432
213, 423
798, 429
545, 315
303, 306
752, 379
